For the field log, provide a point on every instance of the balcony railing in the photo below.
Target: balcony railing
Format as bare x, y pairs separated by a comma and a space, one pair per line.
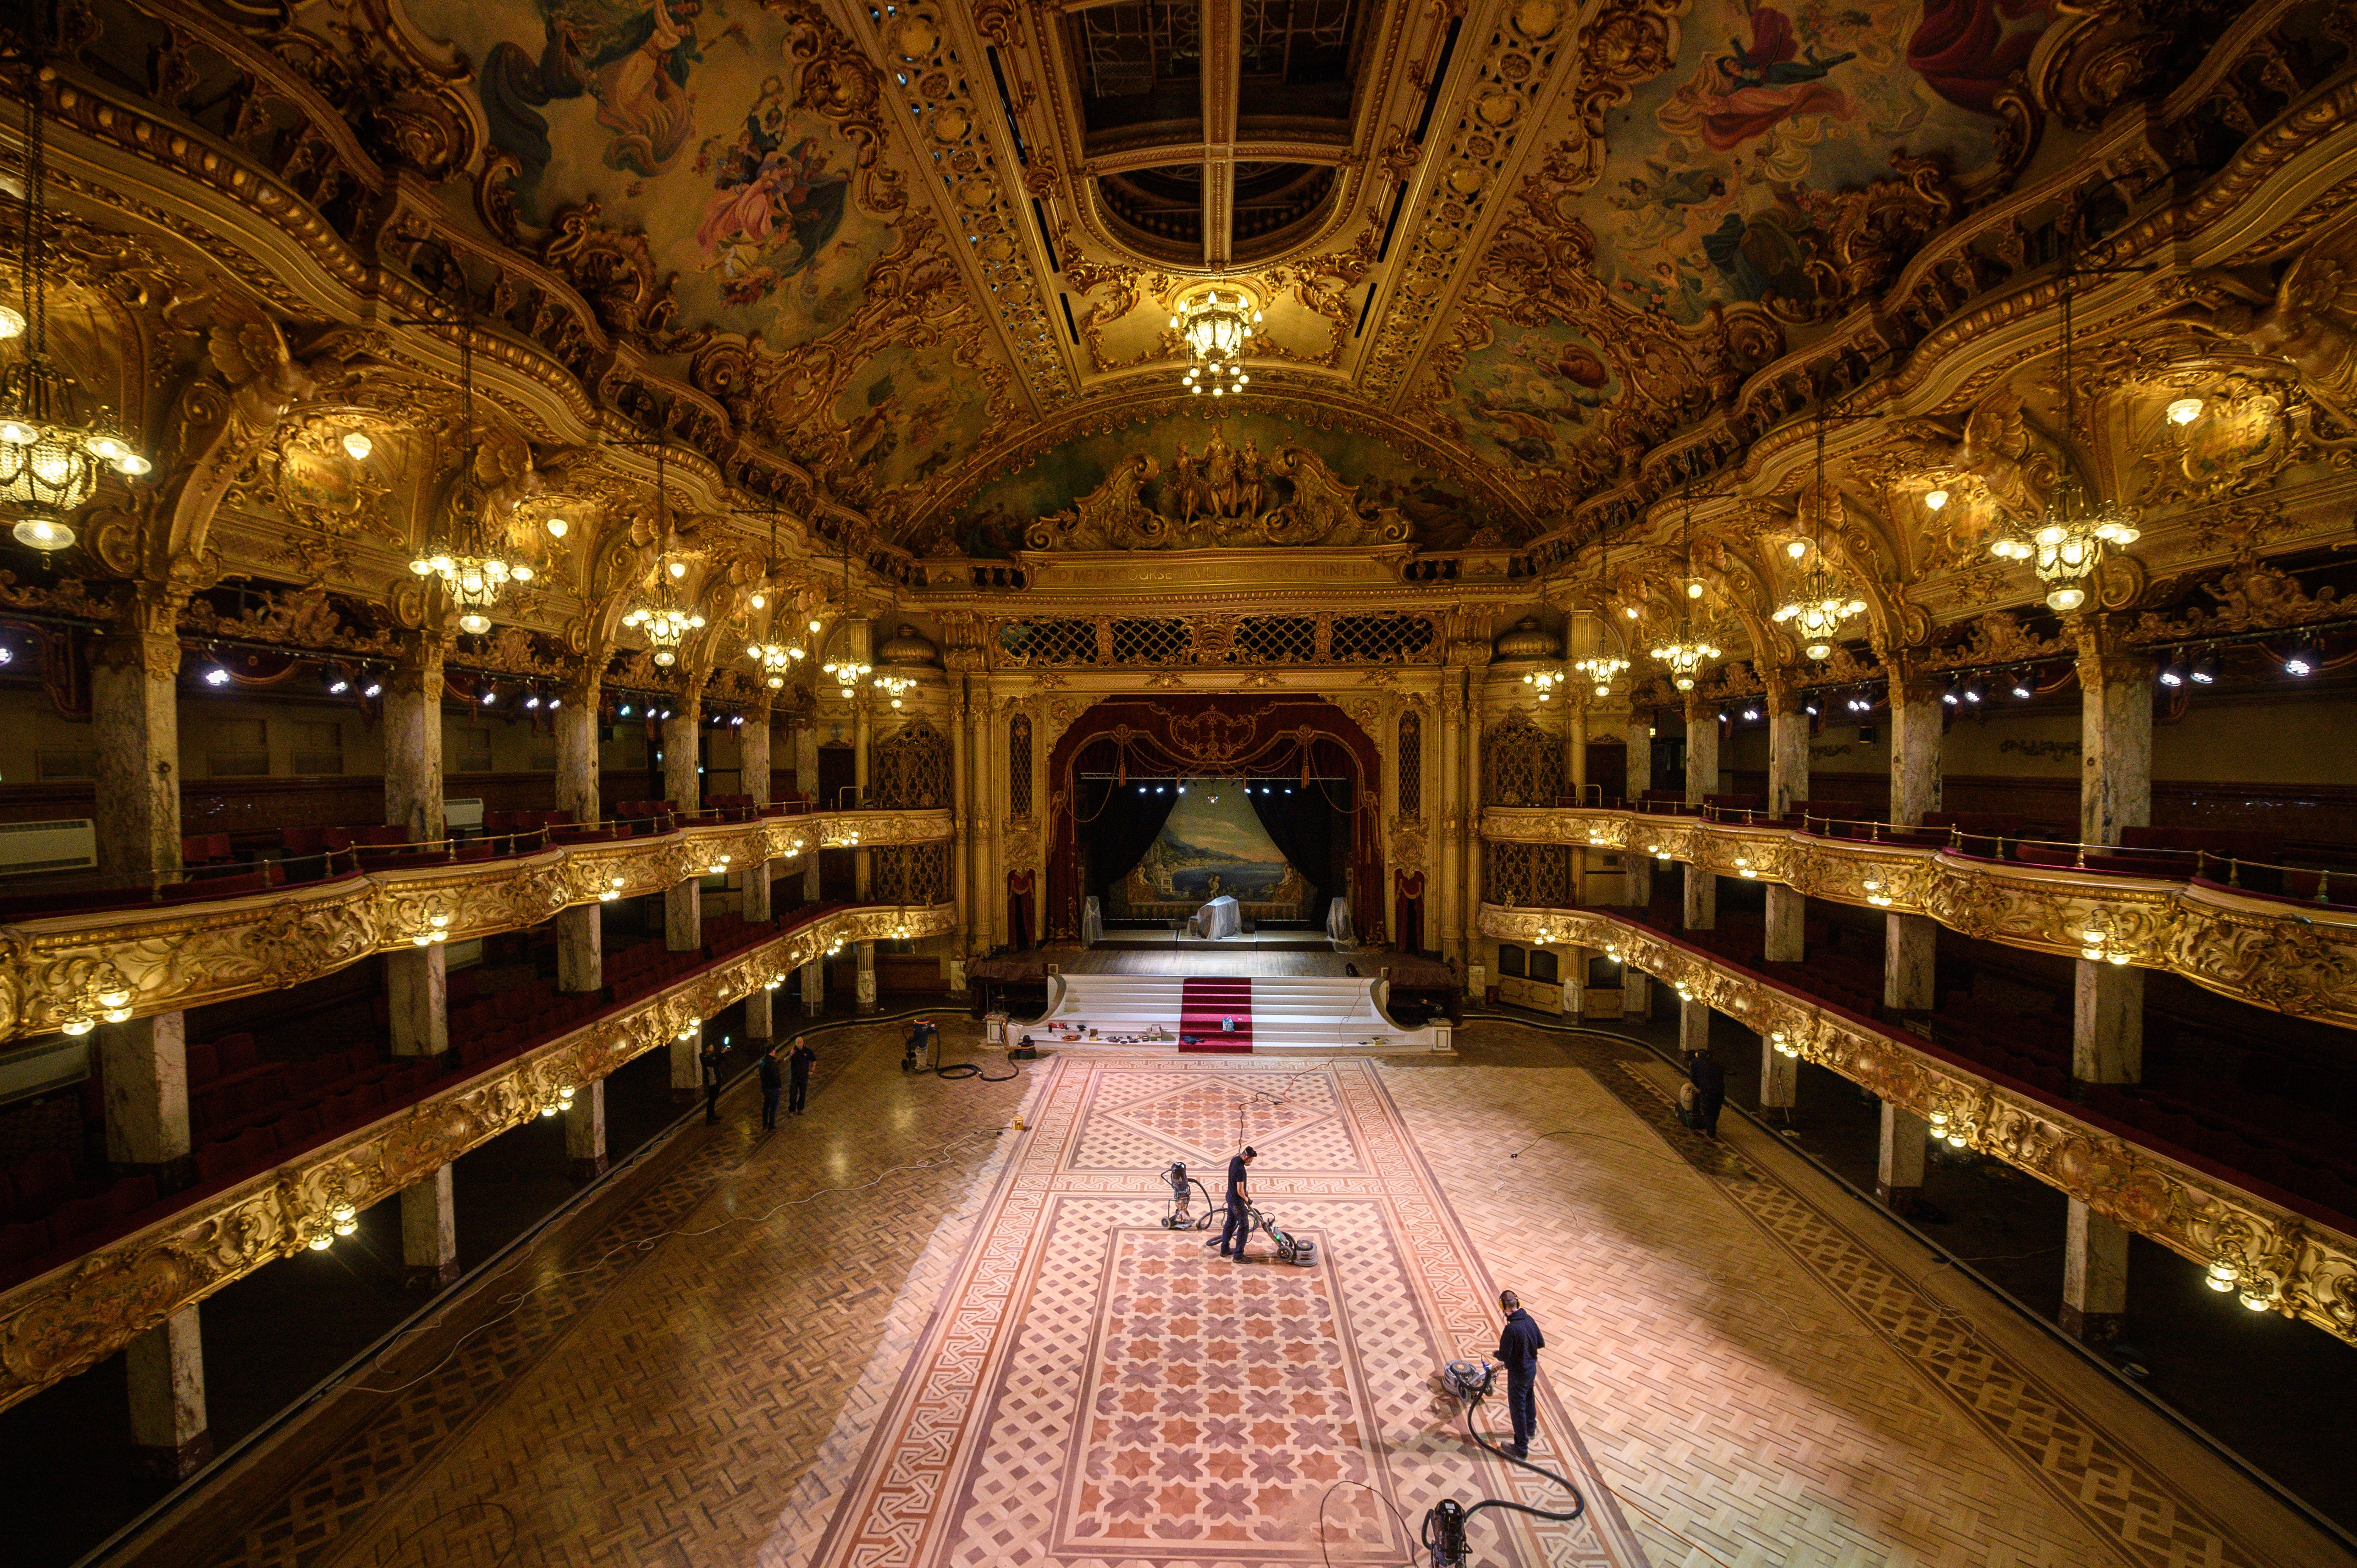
2276, 1259
72, 970
2290, 955
76, 1315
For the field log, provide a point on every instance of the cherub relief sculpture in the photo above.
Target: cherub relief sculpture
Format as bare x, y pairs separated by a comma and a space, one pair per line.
1999, 446
2309, 324
1220, 497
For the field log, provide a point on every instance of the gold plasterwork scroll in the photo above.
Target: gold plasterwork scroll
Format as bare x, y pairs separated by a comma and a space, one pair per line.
1219, 499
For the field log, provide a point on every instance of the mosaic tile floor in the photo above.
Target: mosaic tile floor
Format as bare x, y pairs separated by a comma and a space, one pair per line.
1004, 1358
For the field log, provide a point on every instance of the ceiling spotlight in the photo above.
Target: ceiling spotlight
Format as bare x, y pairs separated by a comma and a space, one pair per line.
1935, 500
1952, 697
1751, 713
490, 695
339, 686
1810, 709
2185, 411
2173, 672
2204, 670
626, 710
2021, 687
532, 700
2299, 660
1971, 692
356, 446
665, 713
217, 676
373, 689
554, 703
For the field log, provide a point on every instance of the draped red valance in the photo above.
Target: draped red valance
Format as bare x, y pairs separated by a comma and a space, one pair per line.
1215, 735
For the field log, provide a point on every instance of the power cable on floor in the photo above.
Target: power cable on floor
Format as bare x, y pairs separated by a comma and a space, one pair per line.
401, 1539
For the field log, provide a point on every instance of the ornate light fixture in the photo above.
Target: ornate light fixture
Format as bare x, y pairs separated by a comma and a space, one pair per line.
1216, 328
1823, 603
1544, 682
1604, 669
1686, 653
847, 672
2068, 544
895, 687
473, 573
776, 659
48, 460
665, 622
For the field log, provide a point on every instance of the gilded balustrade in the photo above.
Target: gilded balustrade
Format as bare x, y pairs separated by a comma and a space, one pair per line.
169, 957
77, 1315
2276, 1260
2274, 953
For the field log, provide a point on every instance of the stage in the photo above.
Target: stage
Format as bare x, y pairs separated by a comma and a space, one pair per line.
1158, 939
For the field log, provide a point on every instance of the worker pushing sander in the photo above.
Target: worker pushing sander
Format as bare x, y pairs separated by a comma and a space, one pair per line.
1237, 1217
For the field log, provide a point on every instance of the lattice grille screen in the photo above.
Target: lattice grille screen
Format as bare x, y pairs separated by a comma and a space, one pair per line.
1527, 875
1410, 793
1386, 639
1521, 765
912, 874
911, 770
1019, 768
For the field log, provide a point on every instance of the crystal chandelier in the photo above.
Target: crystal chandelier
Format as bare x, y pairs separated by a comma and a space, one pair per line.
472, 574
895, 687
776, 659
665, 621
48, 461
847, 672
1544, 682
1216, 328
1824, 604
1687, 654
2068, 544
1603, 669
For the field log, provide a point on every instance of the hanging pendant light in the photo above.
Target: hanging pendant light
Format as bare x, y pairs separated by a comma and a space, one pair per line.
472, 573
2068, 544
1824, 604
1216, 328
50, 461
663, 620
1687, 654
774, 658
1603, 669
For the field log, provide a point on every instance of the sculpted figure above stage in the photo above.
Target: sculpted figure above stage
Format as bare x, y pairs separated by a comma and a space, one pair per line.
1220, 497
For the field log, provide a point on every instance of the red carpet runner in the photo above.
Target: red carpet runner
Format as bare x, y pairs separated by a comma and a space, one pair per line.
1202, 1003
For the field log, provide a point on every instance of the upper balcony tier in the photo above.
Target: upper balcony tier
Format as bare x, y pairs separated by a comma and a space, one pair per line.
172, 952
2151, 908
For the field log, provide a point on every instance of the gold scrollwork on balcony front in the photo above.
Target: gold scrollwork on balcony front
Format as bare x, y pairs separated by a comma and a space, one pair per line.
185, 955
2275, 954
76, 1316
2278, 1260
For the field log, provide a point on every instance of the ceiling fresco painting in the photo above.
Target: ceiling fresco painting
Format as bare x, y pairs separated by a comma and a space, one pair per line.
1716, 186
1528, 394
686, 120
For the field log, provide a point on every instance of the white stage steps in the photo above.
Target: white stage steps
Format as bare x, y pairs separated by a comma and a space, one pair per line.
1300, 1013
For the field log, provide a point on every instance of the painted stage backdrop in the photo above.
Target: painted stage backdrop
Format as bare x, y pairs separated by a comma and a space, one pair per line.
1213, 845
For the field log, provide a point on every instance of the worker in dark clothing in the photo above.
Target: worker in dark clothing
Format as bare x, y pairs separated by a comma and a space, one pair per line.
1239, 1225
798, 1067
773, 1082
1518, 1351
1709, 1079
710, 1059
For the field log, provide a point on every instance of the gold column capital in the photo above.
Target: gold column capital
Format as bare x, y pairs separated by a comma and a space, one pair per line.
2105, 659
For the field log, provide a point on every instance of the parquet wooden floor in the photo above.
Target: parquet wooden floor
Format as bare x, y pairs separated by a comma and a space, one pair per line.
1759, 1371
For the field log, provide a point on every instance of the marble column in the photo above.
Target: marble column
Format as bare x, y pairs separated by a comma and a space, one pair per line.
813, 988
142, 1065
1636, 994
412, 740
1911, 943
1470, 761
585, 1131
1787, 920
1575, 747
136, 725
961, 820
1788, 747
417, 989
862, 637
760, 1016
1899, 1165
429, 1233
753, 755
1636, 865
1701, 895
864, 998
165, 1371
1780, 1078
2116, 693
683, 787
1449, 817
686, 1065
580, 941
1693, 1026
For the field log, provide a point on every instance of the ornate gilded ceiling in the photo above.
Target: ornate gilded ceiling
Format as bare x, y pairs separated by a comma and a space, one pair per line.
1566, 280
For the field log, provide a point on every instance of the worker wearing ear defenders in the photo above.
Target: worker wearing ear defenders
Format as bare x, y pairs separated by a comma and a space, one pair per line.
1518, 1352
1238, 1228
